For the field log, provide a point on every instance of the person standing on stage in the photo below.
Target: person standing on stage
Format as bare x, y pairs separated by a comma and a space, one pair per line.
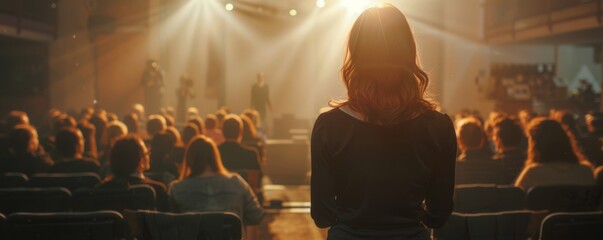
260, 98
152, 82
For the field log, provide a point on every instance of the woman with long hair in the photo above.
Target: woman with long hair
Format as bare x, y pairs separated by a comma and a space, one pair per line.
553, 157
382, 160
206, 186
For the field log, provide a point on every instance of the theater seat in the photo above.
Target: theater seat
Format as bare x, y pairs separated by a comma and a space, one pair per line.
135, 197
476, 198
564, 198
501, 225
158, 225
71, 181
13, 180
65, 226
34, 200
577, 225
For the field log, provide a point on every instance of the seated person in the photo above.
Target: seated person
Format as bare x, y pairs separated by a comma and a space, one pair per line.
162, 148
508, 138
24, 154
474, 165
206, 186
70, 146
590, 143
129, 159
212, 129
553, 158
235, 155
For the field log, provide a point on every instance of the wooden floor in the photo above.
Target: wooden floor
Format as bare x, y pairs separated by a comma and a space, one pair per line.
293, 221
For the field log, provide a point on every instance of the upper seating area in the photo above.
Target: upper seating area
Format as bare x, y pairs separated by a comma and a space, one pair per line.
511, 21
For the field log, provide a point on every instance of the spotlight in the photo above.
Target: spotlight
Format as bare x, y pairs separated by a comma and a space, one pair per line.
229, 7
292, 12
357, 6
320, 3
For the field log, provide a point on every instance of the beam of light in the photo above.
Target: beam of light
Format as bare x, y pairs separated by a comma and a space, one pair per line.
357, 6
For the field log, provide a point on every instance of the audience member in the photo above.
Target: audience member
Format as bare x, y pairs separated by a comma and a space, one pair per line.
206, 186
132, 123
212, 130
250, 138
508, 137
155, 125
590, 143
24, 156
70, 146
129, 160
177, 153
198, 121
189, 131
553, 158
162, 146
475, 165
235, 156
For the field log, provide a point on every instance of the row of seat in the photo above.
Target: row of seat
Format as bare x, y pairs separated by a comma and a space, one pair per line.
71, 181
114, 225
523, 225
85, 199
491, 198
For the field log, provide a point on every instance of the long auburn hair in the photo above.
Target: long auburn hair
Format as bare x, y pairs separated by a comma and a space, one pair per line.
549, 141
381, 69
201, 153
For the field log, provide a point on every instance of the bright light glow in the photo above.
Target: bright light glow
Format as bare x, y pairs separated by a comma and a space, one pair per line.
229, 7
292, 12
357, 6
320, 3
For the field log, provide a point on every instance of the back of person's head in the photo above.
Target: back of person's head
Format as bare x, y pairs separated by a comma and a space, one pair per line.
132, 123
594, 122
128, 156
169, 120
99, 120
189, 132
156, 124
23, 139
198, 121
381, 70
549, 141
211, 122
15, 118
567, 120
232, 127
69, 142
471, 135
174, 134
201, 155
115, 130
220, 115
249, 130
507, 134
253, 115
161, 146
62, 121
112, 117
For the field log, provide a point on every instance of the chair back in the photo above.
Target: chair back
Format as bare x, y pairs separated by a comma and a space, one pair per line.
575, 225
34, 200
71, 181
501, 225
135, 197
564, 198
477, 198
65, 226
160, 225
13, 180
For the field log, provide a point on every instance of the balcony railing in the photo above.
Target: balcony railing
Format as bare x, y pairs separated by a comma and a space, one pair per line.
38, 16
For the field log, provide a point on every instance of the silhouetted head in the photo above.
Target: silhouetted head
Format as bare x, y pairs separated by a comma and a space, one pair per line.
211, 122
23, 140
201, 155
115, 130
132, 123
70, 142
232, 128
156, 124
507, 134
594, 123
199, 123
128, 156
189, 132
549, 141
381, 70
15, 118
249, 130
470, 134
